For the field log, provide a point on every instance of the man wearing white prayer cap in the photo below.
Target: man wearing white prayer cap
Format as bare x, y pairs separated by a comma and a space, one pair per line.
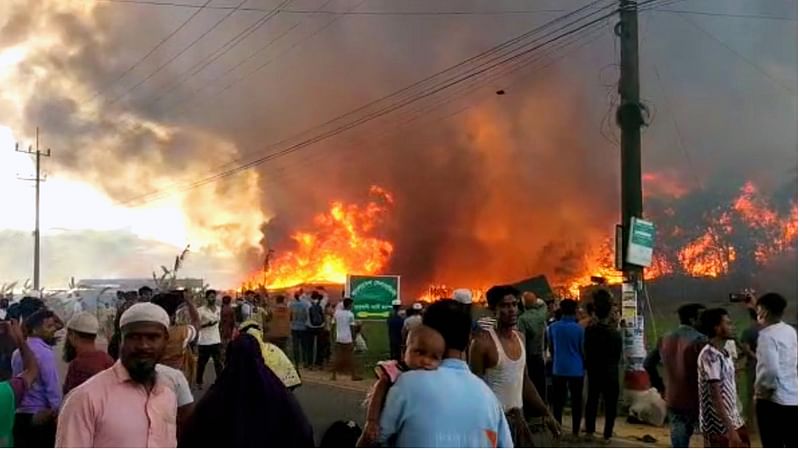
463, 296
84, 359
129, 404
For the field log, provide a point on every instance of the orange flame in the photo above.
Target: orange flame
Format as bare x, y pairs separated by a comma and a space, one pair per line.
340, 244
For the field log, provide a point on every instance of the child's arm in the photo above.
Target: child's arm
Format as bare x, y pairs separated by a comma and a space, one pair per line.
372, 425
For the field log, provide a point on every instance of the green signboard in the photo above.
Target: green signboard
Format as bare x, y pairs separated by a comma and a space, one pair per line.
640, 242
372, 294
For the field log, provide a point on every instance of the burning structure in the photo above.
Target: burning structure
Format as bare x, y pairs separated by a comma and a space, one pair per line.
739, 238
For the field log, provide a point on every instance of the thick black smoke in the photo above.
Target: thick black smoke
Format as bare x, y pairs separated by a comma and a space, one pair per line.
520, 184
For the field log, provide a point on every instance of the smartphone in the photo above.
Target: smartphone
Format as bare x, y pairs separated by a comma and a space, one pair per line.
737, 297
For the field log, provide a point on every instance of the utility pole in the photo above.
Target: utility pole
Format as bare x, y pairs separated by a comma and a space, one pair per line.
38, 154
630, 121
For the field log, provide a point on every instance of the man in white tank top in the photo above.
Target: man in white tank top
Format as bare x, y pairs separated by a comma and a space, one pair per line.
498, 357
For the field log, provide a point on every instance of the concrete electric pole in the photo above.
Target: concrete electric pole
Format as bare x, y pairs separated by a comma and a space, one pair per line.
38, 155
630, 121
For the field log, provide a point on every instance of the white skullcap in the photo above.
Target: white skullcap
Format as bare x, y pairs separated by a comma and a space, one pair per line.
84, 323
144, 312
396, 303
463, 296
417, 306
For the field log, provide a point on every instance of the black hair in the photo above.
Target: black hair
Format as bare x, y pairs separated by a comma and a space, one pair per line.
753, 314
169, 302
451, 321
774, 303
316, 296
496, 294
601, 302
347, 302
36, 320
249, 292
144, 289
25, 308
568, 307
211, 291
341, 434
688, 312
710, 319
280, 299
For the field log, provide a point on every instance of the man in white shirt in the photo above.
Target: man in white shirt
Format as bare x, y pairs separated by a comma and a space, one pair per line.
345, 333
183, 393
776, 375
209, 340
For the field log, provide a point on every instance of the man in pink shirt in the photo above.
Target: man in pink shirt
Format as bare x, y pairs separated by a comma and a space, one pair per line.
130, 404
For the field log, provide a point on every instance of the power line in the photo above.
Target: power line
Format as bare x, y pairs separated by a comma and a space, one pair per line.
393, 107
177, 55
154, 49
219, 52
353, 144
720, 14
732, 50
191, 98
410, 88
348, 13
519, 38
369, 117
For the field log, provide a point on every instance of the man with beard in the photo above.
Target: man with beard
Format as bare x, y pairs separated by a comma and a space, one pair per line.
34, 424
498, 356
84, 359
131, 404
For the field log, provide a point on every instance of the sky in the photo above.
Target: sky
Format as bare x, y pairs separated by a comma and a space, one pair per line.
719, 78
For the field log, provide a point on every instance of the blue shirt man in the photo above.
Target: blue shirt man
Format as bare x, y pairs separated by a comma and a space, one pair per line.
299, 315
449, 406
566, 340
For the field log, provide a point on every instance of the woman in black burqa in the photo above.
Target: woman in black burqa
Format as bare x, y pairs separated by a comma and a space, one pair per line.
248, 406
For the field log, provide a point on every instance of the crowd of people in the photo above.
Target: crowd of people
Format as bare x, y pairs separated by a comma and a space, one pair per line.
453, 379
699, 376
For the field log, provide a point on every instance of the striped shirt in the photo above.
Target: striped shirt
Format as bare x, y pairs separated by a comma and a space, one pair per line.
714, 366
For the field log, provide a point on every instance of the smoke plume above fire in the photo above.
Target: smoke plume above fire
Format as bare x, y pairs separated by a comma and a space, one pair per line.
516, 185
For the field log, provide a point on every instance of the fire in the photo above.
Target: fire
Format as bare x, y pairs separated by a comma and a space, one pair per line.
439, 291
713, 253
705, 257
340, 243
